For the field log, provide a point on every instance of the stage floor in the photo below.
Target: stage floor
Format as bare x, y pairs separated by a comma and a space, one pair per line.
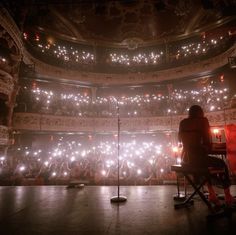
88, 211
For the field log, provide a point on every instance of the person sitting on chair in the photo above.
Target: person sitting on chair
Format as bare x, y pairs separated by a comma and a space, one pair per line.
194, 133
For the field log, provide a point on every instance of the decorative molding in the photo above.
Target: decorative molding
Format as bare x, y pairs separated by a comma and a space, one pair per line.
38, 122
4, 135
6, 83
11, 28
46, 70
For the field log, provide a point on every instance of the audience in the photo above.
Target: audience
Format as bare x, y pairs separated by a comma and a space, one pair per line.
174, 100
75, 56
93, 159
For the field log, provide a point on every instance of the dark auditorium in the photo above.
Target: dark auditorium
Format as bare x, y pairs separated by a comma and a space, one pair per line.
117, 117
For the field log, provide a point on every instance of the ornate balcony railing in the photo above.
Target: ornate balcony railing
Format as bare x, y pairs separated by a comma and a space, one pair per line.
41, 122
110, 78
6, 83
202, 67
4, 135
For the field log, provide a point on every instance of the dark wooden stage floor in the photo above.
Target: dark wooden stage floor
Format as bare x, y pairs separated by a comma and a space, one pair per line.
88, 211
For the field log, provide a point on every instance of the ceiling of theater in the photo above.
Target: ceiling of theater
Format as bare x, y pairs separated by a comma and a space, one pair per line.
128, 23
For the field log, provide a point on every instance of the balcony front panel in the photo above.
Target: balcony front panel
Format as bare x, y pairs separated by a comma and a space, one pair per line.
202, 67
39, 122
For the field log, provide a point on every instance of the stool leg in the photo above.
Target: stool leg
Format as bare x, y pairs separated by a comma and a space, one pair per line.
185, 187
177, 185
197, 190
179, 196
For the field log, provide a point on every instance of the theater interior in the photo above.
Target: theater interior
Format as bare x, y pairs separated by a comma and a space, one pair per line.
91, 97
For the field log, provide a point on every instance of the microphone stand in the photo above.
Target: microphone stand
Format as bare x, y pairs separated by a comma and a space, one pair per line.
118, 198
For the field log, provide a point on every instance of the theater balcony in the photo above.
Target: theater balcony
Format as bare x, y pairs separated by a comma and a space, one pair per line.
188, 41
52, 123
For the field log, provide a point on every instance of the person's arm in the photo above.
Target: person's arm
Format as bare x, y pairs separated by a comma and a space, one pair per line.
180, 132
206, 134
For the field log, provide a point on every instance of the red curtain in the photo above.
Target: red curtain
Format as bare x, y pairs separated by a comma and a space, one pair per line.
230, 134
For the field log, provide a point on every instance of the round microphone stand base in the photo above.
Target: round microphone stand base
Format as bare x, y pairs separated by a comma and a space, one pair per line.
117, 199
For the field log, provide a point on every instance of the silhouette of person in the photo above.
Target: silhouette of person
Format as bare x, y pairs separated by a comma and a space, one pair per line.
194, 133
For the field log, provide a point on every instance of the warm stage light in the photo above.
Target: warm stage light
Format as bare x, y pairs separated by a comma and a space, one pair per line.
222, 78
25, 35
217, 134
215, 131
51, 40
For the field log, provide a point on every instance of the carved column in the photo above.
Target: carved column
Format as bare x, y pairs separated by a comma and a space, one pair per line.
10, 57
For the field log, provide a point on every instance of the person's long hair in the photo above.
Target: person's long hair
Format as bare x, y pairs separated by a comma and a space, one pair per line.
195, 111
